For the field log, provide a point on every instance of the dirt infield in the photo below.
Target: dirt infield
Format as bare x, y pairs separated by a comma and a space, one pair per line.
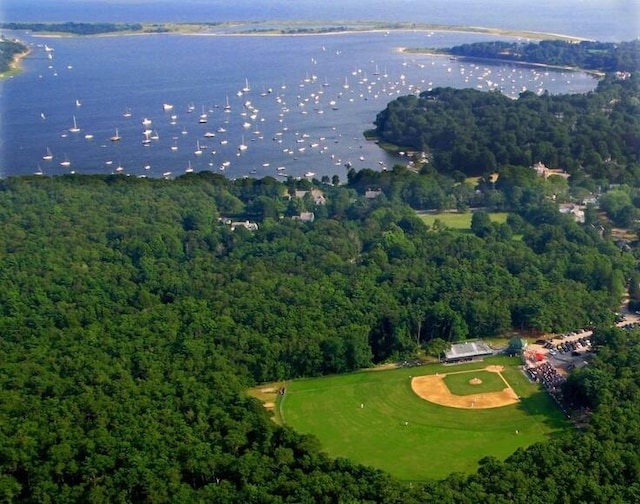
432, 388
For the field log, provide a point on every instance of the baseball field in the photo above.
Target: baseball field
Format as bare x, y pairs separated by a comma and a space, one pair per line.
421, 423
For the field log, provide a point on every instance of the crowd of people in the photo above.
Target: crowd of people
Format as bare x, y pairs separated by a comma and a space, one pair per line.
546, 374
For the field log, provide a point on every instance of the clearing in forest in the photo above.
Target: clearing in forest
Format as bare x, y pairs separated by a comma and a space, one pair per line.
379, 420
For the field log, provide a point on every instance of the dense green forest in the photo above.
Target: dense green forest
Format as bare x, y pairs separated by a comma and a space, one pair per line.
132, 319
588, 55
9, 49
595, 134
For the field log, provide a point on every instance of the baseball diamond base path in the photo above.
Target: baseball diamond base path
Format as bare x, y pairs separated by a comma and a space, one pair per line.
432, 388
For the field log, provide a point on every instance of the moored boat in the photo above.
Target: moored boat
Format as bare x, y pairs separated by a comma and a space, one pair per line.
74, 128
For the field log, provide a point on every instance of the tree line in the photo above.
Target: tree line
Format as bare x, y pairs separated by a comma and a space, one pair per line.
586, 54
74, 27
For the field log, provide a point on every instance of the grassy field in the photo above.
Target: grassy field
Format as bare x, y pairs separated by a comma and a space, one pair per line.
375, 418
455, 220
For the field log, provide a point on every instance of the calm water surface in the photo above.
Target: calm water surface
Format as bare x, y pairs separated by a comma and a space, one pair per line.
308, 101
310, 98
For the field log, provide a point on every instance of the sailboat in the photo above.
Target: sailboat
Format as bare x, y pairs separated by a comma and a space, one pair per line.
198, 150
227, 107
203, 116
75, 128
65, 162
48, 156
189, 168
246, 87
242, 146
127, 112
116, 137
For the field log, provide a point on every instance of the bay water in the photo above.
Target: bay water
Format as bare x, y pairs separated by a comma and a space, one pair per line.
274, 105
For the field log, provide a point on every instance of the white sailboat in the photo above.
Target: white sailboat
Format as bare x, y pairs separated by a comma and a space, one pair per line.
48, 156
65, 162
198, 150
116, 137
189, 168
242, 146
246, 87
74, 128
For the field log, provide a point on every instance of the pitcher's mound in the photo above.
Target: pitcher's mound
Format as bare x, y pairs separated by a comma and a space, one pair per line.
475, 381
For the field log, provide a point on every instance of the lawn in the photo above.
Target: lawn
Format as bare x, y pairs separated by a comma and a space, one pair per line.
456, 220
375, 418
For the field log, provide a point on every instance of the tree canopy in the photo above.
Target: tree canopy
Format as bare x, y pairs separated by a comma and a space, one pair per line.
9, 49
476, 132
586, 54
132, 318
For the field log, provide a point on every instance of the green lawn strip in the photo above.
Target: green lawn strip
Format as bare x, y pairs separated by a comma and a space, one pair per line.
455, 220
410, 438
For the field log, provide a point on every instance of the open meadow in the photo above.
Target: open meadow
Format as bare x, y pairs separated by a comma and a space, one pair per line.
456, 220
375, 418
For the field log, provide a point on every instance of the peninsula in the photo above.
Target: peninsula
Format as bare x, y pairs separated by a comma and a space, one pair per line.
11, 52
584, 55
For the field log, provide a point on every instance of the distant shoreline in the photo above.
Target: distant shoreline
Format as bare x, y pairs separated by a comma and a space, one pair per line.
428, 52
292, 28
314, 30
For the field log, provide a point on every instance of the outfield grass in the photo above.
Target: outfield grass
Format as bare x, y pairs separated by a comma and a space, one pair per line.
436, 441
460, 220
